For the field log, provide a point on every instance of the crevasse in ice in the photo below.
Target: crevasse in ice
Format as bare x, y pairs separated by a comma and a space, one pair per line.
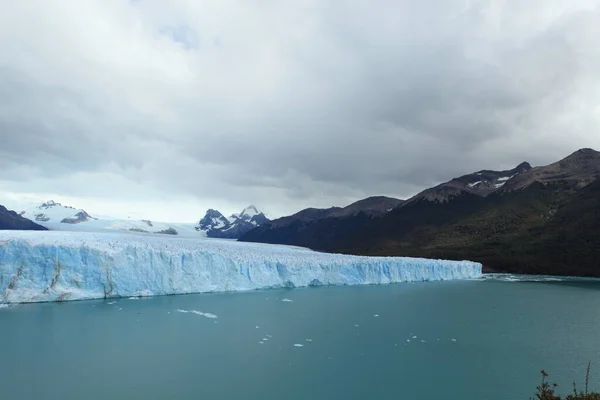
50, 266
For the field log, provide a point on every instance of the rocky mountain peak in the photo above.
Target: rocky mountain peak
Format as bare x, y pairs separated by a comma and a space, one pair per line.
582, 158
213, 219
217, 225
579, 168
481, 183
524, 166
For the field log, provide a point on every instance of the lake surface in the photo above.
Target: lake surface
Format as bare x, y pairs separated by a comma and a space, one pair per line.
484, 339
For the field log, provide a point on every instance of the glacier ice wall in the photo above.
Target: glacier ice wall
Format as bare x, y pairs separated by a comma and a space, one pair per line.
51, 266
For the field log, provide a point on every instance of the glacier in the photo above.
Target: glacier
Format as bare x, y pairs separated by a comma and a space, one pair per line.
58, 266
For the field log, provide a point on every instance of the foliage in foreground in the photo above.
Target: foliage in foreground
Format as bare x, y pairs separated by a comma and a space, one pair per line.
545, 390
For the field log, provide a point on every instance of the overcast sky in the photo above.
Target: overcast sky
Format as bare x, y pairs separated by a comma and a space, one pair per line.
162, 109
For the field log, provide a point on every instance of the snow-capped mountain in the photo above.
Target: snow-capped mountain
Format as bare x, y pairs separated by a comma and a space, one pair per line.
213, 220
216, 225
52, 211
481, 184
58, 217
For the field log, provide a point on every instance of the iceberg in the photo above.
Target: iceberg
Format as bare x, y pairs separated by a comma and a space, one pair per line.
57, 266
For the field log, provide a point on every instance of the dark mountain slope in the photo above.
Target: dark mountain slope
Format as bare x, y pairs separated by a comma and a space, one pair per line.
480, 183
318, 226
546, 226
540, 220
10, 220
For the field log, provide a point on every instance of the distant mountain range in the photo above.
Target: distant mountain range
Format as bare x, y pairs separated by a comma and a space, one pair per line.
216, 225
524, 220
56, 216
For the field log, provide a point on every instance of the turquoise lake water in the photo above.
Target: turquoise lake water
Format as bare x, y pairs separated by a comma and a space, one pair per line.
484, 339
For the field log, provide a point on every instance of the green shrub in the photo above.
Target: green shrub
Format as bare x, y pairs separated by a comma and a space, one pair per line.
546, 391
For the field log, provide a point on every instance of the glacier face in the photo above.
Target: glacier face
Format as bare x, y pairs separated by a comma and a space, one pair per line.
52, 266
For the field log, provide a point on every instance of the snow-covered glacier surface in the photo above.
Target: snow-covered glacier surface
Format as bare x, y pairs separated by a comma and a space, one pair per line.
51, 266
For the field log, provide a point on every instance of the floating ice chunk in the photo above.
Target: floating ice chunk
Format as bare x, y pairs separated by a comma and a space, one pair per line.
269, 336
261, 342
414, 337
134, 298
309, 340
376, 315
3, 305
454, 340
298, 345
287, 300
257, 327
422, 341
356, 326
111, 303
203, 314
265, 339
408, 340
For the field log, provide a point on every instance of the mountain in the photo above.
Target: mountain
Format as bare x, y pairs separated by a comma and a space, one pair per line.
314, 225
580, 169
541, 220
213, 220
10, 220
58, 217
52, 211
480, 183
216, 225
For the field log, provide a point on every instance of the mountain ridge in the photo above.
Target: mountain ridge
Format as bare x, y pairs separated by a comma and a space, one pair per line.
308, 221
538, 220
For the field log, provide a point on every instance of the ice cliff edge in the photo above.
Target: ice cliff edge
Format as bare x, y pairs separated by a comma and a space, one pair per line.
54, 266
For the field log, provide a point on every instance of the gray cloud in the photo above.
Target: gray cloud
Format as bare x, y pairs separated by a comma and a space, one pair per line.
285, 105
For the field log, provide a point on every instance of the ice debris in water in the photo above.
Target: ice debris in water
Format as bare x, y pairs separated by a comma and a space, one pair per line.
454, 340
287, 300
298, 345
207, 315
309, 340
150, 265
376, 315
